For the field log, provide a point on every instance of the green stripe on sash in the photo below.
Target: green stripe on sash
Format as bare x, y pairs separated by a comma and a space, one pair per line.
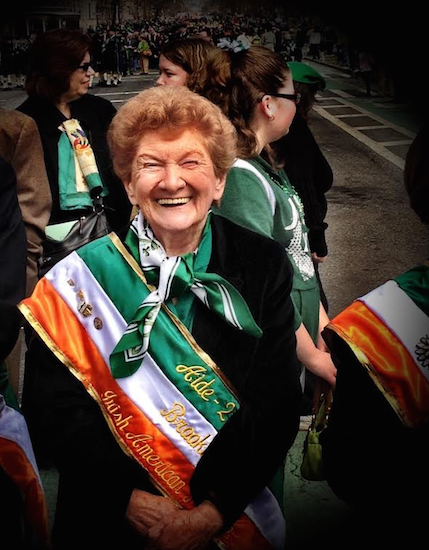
415, 283
178, 358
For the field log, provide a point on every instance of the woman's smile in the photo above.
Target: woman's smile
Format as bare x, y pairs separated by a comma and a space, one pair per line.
173, 202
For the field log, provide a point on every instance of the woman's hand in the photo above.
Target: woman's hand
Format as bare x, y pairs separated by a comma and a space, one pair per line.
321, 365
145, 510
185, 529
317, 259
315, 360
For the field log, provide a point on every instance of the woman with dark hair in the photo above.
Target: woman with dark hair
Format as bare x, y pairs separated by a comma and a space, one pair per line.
57, 83
310, 175
255, 90
183, 62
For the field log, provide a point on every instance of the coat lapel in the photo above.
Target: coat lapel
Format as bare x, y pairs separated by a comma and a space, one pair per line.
210, 331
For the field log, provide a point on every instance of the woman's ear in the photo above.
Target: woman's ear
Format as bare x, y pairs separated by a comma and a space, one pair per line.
267, 107
219, 188
129, 188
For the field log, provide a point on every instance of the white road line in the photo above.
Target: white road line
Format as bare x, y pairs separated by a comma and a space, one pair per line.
336, 106
379, 119
379, 149
354, 115
343, 94
370, 127
399, 142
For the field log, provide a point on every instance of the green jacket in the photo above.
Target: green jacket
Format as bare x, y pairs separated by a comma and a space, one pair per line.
260, 198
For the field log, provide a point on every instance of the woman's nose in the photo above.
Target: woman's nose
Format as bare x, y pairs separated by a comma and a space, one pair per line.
172, 180
160, 81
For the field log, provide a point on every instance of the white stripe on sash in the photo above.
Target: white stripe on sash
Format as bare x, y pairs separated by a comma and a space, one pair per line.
264, 510
403, 317
14, 428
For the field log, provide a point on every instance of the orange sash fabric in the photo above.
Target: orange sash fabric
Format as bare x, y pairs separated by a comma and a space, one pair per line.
15, 463
388, 362
169, 469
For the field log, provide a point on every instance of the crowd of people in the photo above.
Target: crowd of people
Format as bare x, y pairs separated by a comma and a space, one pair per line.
169, 363
118, 50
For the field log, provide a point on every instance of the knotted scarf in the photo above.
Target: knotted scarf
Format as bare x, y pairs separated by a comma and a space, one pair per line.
173, 277
77, 167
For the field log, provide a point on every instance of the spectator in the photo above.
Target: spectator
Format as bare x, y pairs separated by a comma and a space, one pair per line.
311, 176
254, 87
21, 147
57, 87
22, 505
380, 345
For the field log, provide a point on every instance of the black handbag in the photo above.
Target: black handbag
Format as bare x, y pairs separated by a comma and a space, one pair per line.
85, 229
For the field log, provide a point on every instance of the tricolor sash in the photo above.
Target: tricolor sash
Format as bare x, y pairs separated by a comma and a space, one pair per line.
19, 463
388, 332
167, 412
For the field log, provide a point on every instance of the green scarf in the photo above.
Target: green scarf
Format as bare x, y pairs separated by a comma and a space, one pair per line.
171, 277
77, 168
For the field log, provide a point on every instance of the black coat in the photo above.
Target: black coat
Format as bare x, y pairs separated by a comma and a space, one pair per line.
94, 114
13, 259
97, 478
311, 175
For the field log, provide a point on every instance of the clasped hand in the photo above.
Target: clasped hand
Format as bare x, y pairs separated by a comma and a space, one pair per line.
166, 527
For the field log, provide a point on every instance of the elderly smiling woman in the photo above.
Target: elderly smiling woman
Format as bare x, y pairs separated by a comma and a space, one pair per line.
173, 396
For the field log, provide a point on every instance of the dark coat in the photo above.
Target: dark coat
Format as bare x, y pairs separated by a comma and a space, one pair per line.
311, 175
95, 114
13, 258
97, 478
20, 145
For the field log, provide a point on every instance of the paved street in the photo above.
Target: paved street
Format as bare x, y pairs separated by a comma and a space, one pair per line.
372, 236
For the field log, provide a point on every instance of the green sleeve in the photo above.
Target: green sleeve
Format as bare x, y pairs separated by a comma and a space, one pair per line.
297, 314
245, 202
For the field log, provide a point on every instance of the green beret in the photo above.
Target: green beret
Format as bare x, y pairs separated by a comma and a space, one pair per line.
306, 74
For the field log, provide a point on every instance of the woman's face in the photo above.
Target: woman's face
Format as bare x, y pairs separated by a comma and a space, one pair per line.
174, 184
79, 80
170, 74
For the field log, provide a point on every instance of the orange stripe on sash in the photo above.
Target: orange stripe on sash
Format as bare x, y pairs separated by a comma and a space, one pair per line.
170, 470
390, 364
15, 463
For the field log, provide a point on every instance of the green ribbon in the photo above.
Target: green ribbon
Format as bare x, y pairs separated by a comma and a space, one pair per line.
74, 144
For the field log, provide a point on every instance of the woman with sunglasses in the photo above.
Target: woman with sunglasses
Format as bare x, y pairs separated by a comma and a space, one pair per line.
57, 83
255, 90
58, 78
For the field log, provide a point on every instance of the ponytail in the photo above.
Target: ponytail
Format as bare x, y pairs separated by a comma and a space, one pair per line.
235, 82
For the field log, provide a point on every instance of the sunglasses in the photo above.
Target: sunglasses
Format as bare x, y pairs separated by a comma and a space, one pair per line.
296, 98
84, 66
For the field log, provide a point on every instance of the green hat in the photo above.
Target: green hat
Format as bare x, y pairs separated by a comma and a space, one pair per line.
306, 74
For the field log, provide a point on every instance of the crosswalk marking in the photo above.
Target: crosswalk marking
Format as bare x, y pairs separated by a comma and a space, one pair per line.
380, 147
